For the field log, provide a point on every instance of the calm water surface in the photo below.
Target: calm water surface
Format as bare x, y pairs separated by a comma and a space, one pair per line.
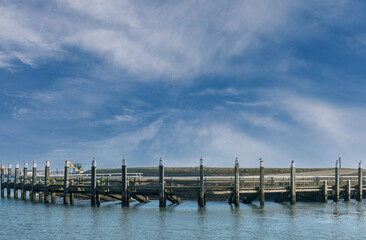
26, 220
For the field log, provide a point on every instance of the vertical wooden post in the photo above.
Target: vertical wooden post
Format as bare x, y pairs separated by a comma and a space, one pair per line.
16, 180
71, 194
9, 181
66, 183
53, 194
237, 184
347, 196
40, 193
97, 195
261, 183
293, 182
202, 197
360, 182
325, 191
162, 198
125, 195
25, 179
336, 195
34, 179
2, 180
93, 182
46, 182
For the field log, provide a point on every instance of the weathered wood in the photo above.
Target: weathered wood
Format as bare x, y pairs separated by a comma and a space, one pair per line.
40, 193
53, 194
125, 195
16, 181
173, 199
46, 182
2, 180
162, 198
97, 194
71, 194
201, 197
336, 187
347, 195
66, 183
93, 182
360, 183
293, 183
141, 198
34, 179
261, 183
9, 181
25, 177
237, 184
325, 191
249, 199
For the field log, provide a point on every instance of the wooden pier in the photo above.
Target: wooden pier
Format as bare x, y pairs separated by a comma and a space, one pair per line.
125, 188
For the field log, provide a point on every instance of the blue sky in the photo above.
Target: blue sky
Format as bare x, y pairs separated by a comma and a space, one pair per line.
278, 80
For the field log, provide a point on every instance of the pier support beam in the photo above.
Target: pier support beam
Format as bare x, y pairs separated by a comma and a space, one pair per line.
93, 182
16, 180
293, 183
125, 195
336, 188
347, 195
261, 183
66, 183
9, 181
237, 184
97, 195
201, 197
71, 194
162, 198
2, 180
325, 191
53, 194
360, 183
46, 182
25, 179
40, 193
34, 179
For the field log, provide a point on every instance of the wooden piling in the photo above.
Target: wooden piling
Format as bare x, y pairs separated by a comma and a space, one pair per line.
336, 187
66, 183
325, 191
53, 194
97, 195
162, 198
360, 183
2, 180
71, 194
9, 181
261, 183
237, 184
34, 179
46, 182
16, 180
40, 193
293, 183
202, 198
93, 182
347, 195
25, 178
125, 195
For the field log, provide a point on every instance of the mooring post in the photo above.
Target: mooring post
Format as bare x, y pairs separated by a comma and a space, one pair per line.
325, 191
202, 197
16, 180
360, 182
162, 198
93, 182
53, 194
347, 196
261, 182
97, 195
40, 193
125, 195
71, 194
25, 179
34, 179
9, 181
46, 182
336, 195
237, 184
293, 182
66, 183
2, 180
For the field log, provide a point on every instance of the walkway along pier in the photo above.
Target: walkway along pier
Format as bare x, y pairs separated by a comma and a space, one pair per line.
127, 188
